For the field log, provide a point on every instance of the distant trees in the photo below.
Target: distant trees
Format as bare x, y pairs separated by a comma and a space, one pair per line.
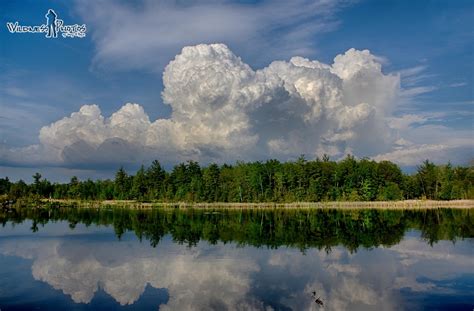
41, 187
428, 179
211, 183
269, 181
156, 180
122, 184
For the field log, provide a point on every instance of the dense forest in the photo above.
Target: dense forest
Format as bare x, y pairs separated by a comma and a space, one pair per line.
272, 181
272, 228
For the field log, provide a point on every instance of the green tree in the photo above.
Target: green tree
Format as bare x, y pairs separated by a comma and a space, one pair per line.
446, 184
428, 178
122, 185
367, 191
74, 188
156, 177
391, 191
19, 189
211, 183
139, 184
37, 183
5, 185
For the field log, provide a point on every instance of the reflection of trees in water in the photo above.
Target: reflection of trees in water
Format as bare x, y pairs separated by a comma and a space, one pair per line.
302, 228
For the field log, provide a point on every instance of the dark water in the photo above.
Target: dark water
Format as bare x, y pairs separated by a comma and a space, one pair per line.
63, 259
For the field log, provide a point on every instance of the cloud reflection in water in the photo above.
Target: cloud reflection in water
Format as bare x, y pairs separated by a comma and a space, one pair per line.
227, 277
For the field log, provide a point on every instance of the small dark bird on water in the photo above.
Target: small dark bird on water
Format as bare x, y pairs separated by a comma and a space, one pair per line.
318, 300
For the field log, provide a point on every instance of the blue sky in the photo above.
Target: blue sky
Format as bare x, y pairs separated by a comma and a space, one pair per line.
429, 44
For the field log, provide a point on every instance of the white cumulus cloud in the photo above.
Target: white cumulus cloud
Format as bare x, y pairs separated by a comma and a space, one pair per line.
222, 109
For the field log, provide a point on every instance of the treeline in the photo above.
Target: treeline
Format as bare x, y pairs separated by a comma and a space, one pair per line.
271, 181
271, 228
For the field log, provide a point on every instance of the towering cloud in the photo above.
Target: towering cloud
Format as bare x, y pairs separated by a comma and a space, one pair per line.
224, 110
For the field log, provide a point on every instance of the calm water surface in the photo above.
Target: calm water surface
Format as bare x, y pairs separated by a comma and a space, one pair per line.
62, 259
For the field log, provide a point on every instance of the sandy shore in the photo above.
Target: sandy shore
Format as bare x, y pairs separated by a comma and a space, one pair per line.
406, 204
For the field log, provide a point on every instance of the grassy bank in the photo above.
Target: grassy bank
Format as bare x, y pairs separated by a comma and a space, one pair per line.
406, 204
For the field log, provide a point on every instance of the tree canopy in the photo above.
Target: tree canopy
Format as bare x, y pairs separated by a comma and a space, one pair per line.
350, 179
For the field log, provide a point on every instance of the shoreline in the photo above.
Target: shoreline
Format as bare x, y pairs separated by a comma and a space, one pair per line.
405, 204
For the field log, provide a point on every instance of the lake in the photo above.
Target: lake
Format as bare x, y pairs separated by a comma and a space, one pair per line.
240, 259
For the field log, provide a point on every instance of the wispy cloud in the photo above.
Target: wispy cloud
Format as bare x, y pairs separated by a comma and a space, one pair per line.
412, 71
460, 84
148, 34
415, 81
415, 91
